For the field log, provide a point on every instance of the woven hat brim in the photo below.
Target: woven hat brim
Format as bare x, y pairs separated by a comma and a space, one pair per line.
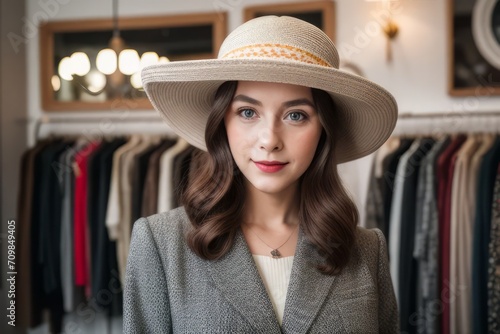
182, 92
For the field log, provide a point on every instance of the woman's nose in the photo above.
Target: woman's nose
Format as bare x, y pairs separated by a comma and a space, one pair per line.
269, 138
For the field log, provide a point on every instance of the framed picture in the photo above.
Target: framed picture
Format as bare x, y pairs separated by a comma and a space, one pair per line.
319, 13
474, 47
93, 65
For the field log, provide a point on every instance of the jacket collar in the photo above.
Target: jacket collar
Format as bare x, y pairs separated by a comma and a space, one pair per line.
237, 277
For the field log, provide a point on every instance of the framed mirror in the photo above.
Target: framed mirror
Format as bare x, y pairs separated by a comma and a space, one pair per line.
93, 65
319, 13
474, 47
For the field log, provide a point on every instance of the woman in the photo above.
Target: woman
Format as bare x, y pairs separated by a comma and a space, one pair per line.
266, 240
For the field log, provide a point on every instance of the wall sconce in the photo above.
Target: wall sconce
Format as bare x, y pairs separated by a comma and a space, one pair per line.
390, 27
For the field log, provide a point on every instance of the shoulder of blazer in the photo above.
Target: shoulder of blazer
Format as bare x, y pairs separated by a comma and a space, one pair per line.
169, 231
174, 221
370, 245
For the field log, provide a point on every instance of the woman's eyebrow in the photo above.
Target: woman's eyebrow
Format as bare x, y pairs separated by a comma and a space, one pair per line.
287, 104
248, 99
298, 102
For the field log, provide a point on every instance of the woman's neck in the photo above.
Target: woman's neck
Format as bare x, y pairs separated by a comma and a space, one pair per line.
271, 212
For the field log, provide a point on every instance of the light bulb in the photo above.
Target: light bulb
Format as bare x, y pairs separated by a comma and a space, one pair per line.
96, 81
80, 63
65, 69
135, 80
128, 61
149, 58
106, 61
56, 83
163, 60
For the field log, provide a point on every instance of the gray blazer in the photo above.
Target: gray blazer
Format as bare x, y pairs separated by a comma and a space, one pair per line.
168, 289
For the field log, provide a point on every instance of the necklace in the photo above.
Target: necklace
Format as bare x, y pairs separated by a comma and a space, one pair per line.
274, 252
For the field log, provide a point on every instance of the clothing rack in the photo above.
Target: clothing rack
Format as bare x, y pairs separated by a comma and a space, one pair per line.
453, 122
413, 115
102, 125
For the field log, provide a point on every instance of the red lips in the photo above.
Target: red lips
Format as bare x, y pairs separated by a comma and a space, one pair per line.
270, 166
274, 162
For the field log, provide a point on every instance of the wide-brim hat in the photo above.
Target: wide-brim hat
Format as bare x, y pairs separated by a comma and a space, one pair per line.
278, 49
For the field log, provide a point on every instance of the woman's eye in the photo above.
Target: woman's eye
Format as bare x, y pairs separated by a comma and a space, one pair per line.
247, 113
296, 116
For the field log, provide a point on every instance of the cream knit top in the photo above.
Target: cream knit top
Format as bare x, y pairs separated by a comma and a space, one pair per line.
275, 274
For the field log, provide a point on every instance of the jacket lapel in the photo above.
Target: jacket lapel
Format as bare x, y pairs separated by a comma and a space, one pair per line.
237, 277
307, 289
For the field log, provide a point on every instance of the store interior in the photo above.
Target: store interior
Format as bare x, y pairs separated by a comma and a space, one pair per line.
439, 59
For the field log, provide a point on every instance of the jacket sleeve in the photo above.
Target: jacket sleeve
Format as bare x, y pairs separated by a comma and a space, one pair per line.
388, 316
145, 296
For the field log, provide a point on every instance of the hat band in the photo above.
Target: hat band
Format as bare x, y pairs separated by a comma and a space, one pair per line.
276, 51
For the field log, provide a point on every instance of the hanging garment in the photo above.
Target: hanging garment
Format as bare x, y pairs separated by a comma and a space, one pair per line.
165, 196
481, 238
494, 262
125, 222
374, 198
30, 314
407, 263
461, 240
114, 210
445, 167
150, 193
66, 161
426, 250
487, 141
80, 227
106, 286
140, 163
395, 222
391, 163
47, 219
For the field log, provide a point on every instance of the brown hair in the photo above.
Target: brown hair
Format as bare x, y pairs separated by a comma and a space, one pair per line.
327, 213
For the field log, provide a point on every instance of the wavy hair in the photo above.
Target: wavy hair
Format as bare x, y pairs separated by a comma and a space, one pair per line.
327, 213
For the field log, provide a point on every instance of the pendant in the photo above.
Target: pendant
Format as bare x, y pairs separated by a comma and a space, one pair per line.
276, 254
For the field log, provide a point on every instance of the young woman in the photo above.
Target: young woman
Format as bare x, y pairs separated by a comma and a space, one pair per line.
267, 239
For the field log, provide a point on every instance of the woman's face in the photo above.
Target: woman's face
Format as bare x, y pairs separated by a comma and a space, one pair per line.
273, 130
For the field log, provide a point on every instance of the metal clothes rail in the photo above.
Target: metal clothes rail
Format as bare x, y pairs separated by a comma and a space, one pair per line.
431, 123
105, 125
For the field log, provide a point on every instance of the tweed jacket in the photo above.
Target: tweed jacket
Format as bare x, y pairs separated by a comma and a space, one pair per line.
168, 289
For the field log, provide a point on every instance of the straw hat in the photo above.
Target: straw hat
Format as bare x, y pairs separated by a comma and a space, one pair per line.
273, 49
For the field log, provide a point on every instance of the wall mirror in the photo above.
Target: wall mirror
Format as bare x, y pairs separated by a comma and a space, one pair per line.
95, 64
319, 13
474, 47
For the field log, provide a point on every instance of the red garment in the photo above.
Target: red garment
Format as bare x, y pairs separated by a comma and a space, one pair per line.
444, 173
81, 259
